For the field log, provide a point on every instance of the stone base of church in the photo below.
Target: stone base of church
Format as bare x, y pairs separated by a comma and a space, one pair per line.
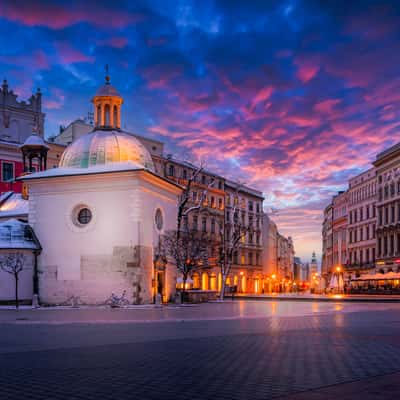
128, 269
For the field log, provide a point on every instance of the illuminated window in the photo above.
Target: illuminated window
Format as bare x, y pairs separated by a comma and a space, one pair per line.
213, 282
204, 281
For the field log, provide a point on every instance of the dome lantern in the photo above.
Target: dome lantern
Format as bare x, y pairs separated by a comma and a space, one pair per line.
107, 106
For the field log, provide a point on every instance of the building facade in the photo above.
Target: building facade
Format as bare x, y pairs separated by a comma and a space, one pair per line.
369, 225
339, 229
387, 166
270, 250
362, 196
18, 119
285, 258
327, 243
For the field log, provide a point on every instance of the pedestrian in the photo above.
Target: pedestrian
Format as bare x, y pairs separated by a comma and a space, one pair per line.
234, 288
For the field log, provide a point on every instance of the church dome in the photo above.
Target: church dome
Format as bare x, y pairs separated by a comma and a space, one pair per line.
106, 147
107, 90
35, 140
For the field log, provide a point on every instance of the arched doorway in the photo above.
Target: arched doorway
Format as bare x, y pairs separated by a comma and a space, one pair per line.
213, 282
196, 281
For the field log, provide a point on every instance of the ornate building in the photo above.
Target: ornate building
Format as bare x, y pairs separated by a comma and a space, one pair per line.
362, 223
100, 214
339, 229
327, 243
18, 119
387, 166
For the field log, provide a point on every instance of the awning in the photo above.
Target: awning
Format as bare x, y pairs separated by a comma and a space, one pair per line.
378, 277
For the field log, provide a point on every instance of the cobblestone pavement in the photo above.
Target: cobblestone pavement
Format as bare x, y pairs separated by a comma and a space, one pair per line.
325, 355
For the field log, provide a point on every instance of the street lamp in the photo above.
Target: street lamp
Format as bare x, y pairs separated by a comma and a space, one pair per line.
339, 281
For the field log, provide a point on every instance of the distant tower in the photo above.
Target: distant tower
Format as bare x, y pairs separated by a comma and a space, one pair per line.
107, 106
313, 264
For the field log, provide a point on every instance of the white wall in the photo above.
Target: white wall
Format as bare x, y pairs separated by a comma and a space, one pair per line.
7, 281
90, 262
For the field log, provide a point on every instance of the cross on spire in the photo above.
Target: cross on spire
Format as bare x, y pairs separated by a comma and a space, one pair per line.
107, 75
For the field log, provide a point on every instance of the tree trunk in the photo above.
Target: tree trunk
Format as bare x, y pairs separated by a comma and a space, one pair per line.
184, 279
223, 286
16, 292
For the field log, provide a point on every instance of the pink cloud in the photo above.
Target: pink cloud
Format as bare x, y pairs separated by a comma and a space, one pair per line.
68, 55
306, 69
55, 101
116, 42
326, 106
57, 16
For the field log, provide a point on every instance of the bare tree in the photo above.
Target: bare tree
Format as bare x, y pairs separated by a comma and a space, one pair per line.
184, 205
13, 263
231, 239
189, 251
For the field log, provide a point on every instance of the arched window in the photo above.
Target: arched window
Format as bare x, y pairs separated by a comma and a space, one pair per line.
107, 115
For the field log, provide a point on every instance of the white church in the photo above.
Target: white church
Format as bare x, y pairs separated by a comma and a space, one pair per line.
98, 217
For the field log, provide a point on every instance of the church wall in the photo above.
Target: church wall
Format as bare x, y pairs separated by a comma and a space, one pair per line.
113, 253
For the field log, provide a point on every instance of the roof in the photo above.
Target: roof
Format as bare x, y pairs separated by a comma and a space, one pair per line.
243, 188
104, 147
15, 234
13, 205
387, 154
189, 165
107, 90
95, 170
35, 140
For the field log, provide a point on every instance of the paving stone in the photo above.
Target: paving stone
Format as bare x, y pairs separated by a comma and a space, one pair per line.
280, 357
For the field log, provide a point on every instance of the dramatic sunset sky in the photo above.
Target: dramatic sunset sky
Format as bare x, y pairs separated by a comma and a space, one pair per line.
292, 97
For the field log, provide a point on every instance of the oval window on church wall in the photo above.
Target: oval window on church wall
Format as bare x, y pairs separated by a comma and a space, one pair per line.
159, 219
82, 215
